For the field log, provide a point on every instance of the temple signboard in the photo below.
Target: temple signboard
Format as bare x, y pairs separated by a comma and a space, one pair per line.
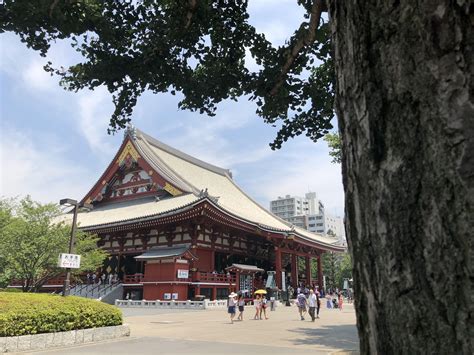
71, 261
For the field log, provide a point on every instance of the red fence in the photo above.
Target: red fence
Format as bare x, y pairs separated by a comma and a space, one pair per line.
212, 277
133, 279
194, 277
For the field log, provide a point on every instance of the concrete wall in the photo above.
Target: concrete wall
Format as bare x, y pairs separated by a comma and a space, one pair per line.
116, 294
60, 339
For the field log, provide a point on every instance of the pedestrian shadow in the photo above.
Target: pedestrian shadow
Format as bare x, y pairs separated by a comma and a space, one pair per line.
333, 336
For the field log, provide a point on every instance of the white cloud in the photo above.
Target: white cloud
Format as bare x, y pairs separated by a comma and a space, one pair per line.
42, 171
36, 78
208, 137
299, 168
90, 109
277, 23
94, 111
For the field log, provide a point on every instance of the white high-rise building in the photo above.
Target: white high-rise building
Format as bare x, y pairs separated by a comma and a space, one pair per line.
308, 212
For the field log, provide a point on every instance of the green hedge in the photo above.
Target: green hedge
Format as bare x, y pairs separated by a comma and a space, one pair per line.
30, 313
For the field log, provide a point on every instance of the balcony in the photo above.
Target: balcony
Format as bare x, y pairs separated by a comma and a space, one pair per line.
133, 279
210, 277
197, 276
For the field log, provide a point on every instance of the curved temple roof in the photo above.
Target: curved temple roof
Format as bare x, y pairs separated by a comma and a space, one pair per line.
196, 179
166, 252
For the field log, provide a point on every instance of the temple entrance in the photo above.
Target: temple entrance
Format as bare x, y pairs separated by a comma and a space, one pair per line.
122, 265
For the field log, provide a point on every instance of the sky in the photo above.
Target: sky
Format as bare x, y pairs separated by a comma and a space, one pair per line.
54, 143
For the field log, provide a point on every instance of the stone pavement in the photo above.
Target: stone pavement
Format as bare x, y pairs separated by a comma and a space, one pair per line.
210, 331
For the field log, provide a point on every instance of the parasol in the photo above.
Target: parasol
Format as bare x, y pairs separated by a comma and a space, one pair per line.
260, 292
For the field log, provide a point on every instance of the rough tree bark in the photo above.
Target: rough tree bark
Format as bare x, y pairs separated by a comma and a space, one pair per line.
406, 114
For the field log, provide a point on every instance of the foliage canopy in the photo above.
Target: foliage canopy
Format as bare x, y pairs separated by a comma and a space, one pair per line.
31, 241
195, 47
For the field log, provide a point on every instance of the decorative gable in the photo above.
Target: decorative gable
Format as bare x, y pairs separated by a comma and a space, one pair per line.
129, 154
130, 176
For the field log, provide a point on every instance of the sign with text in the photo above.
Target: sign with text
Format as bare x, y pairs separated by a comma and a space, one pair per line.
174, 296
167, 296
71, 261
183, 274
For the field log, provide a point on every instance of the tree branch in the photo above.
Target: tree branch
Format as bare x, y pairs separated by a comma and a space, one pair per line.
189, 15
308, 39
51, 9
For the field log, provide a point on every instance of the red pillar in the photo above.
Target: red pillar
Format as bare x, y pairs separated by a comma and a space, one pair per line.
278, 267
308, 270
237, 281
320, 273
214, 293
294, 271
213, 260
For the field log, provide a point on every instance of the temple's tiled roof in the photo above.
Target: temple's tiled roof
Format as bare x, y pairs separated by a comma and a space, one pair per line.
164, 252
192, 176
131, 210
243, 267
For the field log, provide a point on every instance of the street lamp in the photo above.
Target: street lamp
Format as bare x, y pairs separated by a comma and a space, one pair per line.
71, 202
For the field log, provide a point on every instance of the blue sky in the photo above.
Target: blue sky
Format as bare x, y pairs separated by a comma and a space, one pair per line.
54, 144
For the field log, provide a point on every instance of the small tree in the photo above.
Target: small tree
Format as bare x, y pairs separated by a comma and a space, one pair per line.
30, 243
330, 265
344, 269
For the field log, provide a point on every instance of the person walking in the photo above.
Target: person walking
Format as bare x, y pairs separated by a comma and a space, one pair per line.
301, 302
258, 304
264, 306
94, 276
339, 300
241, 304
312, 302
318, 303
232, 304
328, 301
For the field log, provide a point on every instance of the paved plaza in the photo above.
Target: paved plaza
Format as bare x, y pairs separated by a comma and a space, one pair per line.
210, 332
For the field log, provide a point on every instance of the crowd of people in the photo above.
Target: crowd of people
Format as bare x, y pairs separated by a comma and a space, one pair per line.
101, 278
307, 299
237, 301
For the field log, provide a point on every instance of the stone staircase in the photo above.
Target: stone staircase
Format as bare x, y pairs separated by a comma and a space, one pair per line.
104, 292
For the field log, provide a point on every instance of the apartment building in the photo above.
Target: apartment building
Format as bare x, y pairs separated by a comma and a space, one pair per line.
308, 212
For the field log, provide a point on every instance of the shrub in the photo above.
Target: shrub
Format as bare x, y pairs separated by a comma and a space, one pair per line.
28, 313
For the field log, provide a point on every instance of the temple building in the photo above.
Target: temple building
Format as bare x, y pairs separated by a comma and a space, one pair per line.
177, 227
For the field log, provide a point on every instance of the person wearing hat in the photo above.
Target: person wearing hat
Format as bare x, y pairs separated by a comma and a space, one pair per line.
232, 304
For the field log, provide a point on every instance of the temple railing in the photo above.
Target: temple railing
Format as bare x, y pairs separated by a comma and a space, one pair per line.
171, 304
133, 279
200, 276
196, 276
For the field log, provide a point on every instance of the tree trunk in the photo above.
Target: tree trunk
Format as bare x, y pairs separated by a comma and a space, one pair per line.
406, 115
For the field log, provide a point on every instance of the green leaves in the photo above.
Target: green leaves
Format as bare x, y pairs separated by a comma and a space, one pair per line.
335, 145
336, 267
197, 48
31, 241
